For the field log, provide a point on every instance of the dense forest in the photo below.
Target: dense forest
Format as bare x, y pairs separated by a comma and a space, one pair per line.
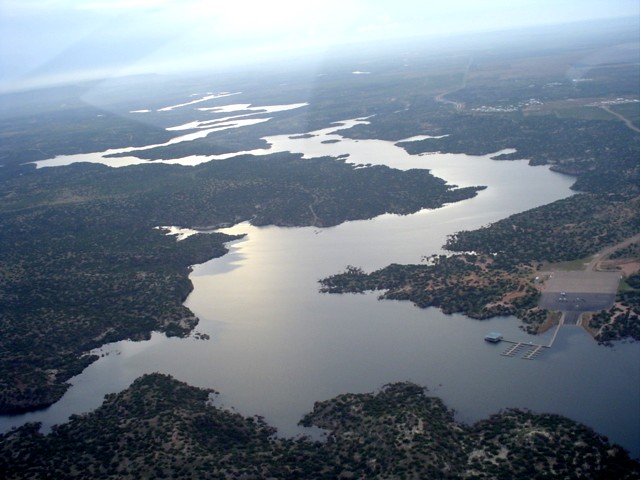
162, 428
498, 278
547, 119
83, 264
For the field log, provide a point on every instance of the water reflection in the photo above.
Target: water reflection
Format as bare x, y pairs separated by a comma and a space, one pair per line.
277, 345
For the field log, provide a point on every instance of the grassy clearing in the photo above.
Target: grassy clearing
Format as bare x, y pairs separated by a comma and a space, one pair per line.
584, 113
572, 266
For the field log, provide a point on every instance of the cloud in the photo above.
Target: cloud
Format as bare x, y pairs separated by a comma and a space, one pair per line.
56, 34
123, 5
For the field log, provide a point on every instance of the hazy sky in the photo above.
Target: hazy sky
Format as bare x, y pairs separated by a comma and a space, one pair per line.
66, 39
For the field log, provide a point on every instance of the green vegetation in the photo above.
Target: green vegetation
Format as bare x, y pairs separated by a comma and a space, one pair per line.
623, 319
631, 251
603, 153
468, 284
579, 264
158, 428
162, 428
82, 264
498, 278
572, 228
40, 124
521, 100
71, 280
631, 111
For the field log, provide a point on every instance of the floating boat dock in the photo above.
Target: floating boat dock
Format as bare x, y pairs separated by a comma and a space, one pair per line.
513, 350
524, 350
528, 351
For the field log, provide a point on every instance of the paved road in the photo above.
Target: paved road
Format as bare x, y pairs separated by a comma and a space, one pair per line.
603, 254
459, 106
624, 119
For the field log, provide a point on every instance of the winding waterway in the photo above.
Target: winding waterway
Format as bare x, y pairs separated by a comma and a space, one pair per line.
277, 345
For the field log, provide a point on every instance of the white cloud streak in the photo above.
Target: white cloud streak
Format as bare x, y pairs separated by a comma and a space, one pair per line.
148, 33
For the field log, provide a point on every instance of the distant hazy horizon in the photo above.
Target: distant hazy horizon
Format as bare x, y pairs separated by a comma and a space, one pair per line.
57, 41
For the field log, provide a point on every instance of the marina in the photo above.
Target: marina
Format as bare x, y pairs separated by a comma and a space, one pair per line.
277, 345
522, 349
571, 294
526, 351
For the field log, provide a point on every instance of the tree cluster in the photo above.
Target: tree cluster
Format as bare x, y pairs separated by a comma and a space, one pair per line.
162, 428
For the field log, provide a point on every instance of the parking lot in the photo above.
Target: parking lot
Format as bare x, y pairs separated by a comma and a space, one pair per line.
580, 291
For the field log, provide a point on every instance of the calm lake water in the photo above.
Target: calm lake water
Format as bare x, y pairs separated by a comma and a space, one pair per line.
277, 345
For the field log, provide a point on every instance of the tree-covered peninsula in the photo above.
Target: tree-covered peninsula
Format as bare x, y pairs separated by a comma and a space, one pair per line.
583, 127
83, 264
162, 428
498, 277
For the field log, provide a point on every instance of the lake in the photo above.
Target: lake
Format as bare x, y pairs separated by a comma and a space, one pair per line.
277, 345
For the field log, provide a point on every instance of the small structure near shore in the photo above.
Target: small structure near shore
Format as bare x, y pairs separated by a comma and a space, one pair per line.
493, 337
